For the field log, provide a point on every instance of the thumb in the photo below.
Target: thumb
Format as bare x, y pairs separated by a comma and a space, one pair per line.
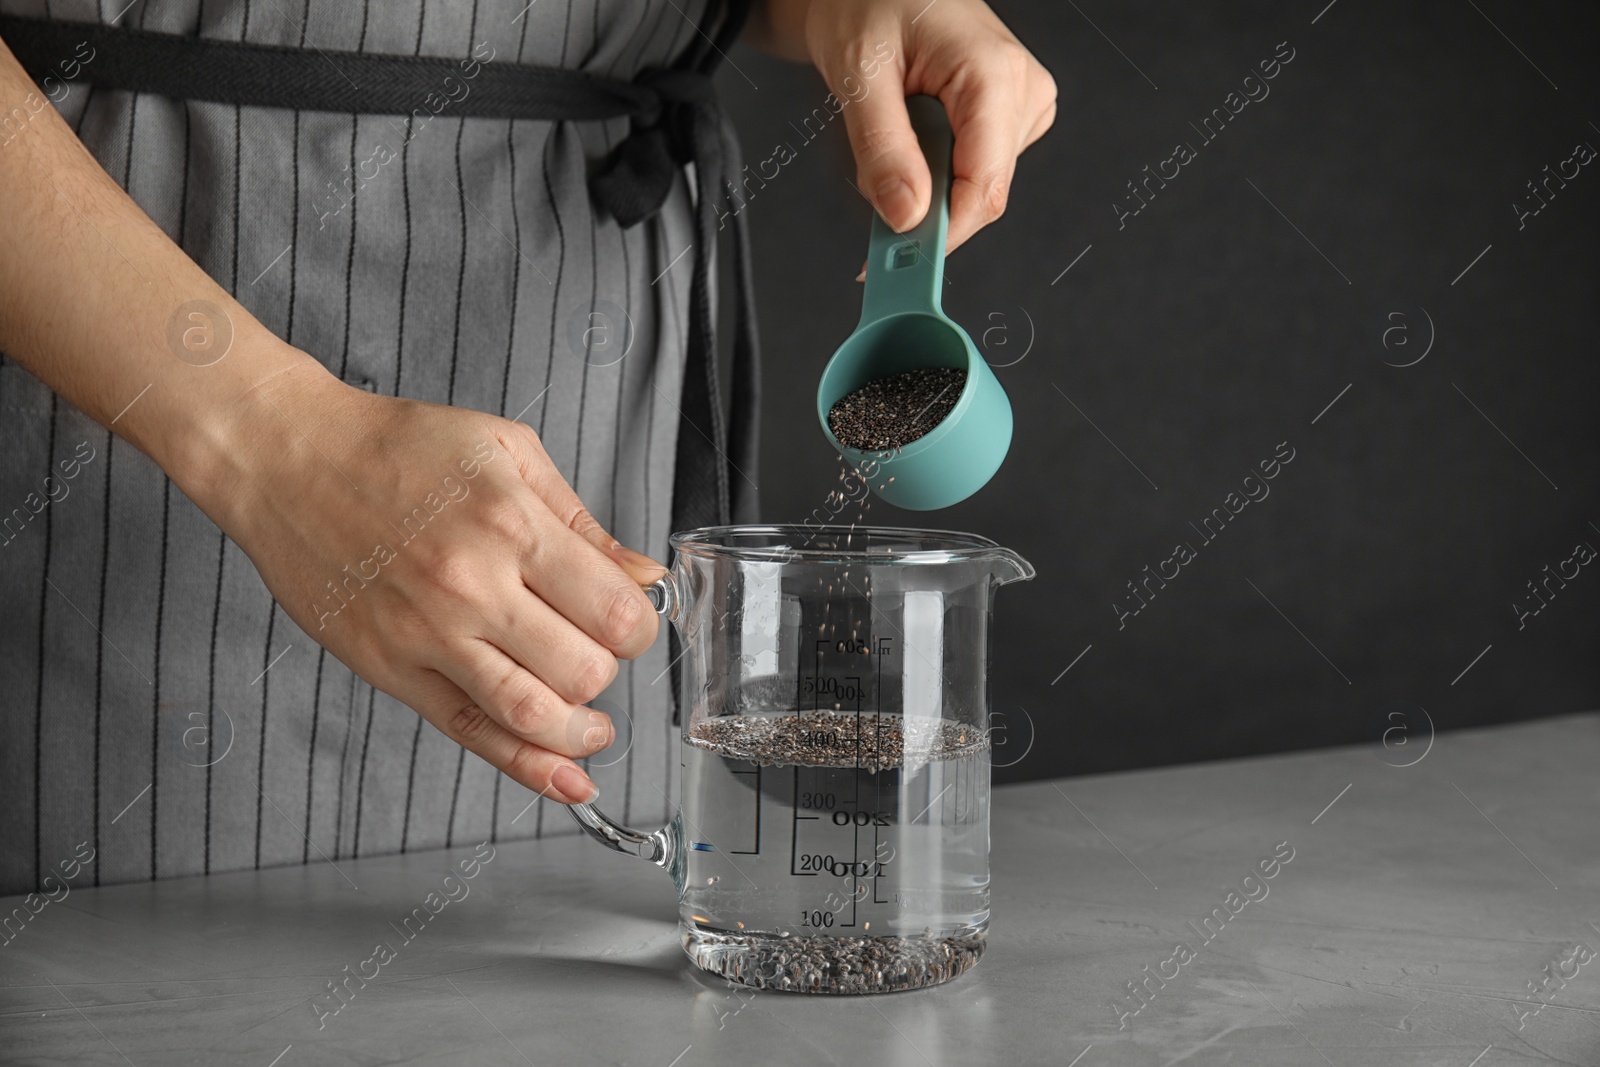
890, 169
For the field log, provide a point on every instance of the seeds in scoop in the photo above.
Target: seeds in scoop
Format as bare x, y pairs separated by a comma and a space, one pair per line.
891, 412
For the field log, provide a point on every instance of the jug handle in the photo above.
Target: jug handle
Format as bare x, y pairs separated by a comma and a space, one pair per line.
660, 847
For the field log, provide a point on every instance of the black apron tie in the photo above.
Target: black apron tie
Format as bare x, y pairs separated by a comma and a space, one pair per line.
684, 124
675, 120
636, 180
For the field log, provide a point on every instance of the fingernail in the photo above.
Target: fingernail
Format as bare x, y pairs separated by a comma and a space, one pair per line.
574, 784
599, 735
895, 200
635, 560
863, 275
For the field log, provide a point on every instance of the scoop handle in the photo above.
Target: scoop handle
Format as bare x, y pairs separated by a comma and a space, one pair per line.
905, 271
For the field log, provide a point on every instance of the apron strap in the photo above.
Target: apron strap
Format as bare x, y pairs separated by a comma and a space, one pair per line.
313, 79
675, 120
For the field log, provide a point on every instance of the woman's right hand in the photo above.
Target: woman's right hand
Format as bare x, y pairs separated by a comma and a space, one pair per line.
439, 554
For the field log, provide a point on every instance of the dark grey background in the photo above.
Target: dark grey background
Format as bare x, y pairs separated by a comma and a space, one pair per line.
1208, 330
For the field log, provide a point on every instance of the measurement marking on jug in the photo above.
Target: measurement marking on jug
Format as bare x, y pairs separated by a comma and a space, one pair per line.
844, 690
877, 850
755, 851
855, 833
877, 853
868, 786
794, 834
883, 647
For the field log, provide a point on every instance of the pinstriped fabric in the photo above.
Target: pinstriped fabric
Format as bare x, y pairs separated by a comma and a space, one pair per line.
155, 700
511, 339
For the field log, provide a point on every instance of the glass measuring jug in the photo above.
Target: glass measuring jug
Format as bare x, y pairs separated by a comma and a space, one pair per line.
833, 830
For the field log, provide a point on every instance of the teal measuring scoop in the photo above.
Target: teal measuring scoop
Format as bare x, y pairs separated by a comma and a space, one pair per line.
903, 327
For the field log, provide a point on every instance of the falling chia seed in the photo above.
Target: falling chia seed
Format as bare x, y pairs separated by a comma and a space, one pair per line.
891, 412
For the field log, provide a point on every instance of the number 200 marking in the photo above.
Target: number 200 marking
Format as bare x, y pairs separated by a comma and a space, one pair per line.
861, 818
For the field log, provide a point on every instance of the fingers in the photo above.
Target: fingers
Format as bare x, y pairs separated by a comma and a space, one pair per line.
524, 705
575, 666
640, 567
539, 471
999, 99
987, 140
1046, 119
890, 168
456, 716
589, 590
573, 564
541, 474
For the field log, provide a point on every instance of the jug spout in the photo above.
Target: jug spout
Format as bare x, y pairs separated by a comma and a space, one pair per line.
1007, 566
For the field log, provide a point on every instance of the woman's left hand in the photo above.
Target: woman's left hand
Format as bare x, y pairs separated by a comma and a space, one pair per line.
875, 53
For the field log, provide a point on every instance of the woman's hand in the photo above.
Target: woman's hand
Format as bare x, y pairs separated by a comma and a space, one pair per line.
439, 554
436, 551
999, 98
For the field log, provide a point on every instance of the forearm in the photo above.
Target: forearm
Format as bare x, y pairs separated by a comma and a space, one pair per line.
90, 289
498, 626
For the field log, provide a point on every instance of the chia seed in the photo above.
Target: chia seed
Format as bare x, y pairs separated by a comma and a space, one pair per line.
891, 412
802, 962
872, 742
835, 964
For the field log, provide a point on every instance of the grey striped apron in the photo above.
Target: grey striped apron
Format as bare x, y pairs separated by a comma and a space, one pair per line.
154, 702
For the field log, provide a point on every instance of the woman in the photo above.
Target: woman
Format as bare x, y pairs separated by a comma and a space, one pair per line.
316, 419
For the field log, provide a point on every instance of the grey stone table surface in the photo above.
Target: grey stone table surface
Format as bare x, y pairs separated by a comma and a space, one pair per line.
1445, 912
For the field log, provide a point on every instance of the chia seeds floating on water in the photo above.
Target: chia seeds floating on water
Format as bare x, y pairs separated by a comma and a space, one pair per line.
891, 412
836, 739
